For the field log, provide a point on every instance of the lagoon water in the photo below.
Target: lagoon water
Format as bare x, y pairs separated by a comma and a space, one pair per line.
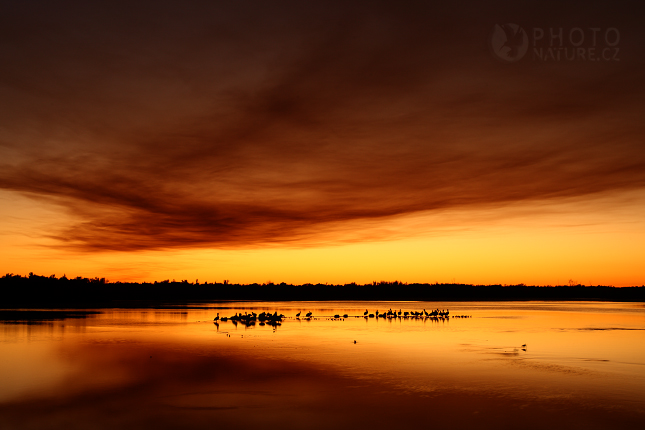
171, 367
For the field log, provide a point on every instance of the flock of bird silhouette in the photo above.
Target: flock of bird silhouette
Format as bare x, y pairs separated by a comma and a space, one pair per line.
412, 314
251, 318
276, 319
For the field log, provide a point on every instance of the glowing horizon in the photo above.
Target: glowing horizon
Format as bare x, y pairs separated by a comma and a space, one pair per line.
546, 249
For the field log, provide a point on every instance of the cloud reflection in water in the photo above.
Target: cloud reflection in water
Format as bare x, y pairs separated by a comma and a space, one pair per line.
186, 374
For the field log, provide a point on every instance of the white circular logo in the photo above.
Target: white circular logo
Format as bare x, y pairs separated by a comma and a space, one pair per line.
508, 42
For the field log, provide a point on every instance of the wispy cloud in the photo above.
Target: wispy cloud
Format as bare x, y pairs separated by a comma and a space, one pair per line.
169, 127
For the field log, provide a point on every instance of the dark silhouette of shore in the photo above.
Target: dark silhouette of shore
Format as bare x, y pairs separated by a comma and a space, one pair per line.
50, 291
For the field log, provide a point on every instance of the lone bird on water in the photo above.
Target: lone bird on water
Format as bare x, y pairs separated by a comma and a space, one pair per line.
298, 314
216, 318
365, 314
309, 314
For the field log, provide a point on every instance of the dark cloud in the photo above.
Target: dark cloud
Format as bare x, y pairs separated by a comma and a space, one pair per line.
221, 124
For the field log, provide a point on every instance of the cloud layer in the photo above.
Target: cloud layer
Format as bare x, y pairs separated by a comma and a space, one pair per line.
224, 125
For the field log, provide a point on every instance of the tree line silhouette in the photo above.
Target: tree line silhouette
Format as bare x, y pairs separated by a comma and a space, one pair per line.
50, 291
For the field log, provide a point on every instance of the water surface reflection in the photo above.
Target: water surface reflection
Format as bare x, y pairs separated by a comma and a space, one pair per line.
512, 364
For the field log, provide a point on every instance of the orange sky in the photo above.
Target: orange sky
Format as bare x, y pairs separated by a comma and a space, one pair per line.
319, 143
524, 244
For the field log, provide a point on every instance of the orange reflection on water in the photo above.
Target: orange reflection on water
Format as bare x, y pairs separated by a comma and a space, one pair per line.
583, 364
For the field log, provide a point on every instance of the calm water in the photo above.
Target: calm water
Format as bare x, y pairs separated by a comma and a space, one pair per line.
583, 366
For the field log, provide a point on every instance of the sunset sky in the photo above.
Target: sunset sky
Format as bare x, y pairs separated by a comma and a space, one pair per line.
322, 141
